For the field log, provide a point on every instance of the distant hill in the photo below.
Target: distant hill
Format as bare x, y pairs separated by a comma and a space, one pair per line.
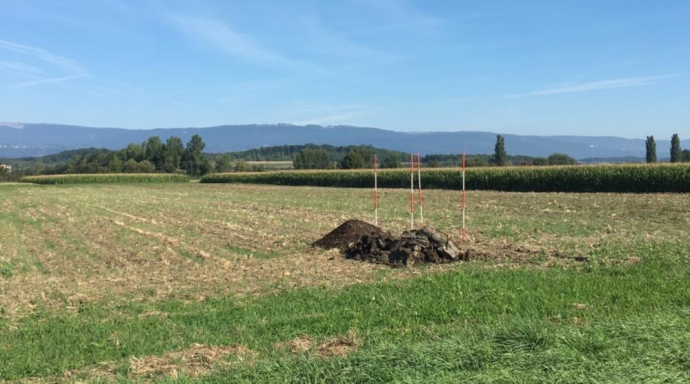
24, 140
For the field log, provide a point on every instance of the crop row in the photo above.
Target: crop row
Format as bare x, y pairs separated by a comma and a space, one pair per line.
103, 178
596, 178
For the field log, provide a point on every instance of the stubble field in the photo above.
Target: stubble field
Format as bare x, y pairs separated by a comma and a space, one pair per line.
220, 282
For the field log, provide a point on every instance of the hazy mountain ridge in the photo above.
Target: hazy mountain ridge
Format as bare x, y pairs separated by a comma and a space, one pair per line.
23, 139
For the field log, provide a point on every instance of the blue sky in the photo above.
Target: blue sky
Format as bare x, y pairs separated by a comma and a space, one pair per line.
551, 67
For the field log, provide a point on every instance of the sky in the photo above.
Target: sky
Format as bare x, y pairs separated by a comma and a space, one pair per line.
602, 68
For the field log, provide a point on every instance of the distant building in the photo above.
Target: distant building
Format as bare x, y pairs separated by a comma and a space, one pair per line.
8, 168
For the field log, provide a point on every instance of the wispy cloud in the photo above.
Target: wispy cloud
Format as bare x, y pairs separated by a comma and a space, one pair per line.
20, 68
70, 69
597, 85
227, 40
41, 54
52, 80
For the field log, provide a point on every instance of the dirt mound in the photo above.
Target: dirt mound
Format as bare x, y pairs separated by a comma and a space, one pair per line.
426, 245
348, 233
364, 242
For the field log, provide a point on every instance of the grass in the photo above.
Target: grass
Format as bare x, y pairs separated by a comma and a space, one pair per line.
217, 283
107, 178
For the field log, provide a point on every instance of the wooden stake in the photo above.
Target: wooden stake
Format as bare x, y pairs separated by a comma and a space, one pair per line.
376, 191
411, 191
419, 182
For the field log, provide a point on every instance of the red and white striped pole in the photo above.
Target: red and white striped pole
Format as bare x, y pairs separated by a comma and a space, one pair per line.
464, 231
376, 191
419, 182
411, 191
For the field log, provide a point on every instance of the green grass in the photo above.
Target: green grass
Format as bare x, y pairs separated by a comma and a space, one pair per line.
497, 325
114, 178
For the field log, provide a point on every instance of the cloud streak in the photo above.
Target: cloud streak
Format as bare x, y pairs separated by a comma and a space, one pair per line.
20, 68
53, 80
596, 86
41, 54
225, 39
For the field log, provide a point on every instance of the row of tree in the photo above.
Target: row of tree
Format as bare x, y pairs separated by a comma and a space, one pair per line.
151, 156
356, 158
313, 157
154, 155
677, 154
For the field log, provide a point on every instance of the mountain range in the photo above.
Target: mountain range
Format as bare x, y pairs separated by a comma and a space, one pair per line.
30, 140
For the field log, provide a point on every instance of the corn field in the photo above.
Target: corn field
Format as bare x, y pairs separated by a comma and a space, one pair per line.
104, 178
628, 178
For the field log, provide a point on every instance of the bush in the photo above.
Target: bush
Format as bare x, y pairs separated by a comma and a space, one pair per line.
561, 159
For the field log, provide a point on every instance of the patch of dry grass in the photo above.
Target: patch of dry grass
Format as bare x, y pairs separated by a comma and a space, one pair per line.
339, 346
197, 360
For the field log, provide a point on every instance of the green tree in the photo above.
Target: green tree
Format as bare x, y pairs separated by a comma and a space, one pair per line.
685, 155
391, 161
312, 158
145, 166
352, 160
477, 161
540, 161
240, 166
130, 166
500, 156
154, 151
134, 151
435, 164
650, 147
561, 159
223, 164
193, 159
675, 149
116, 164
174, 150
366, 153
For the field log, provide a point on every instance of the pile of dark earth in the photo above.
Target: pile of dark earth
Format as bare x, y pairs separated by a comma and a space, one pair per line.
364, 242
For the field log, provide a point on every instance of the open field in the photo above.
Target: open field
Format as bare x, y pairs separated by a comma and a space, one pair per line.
218, 283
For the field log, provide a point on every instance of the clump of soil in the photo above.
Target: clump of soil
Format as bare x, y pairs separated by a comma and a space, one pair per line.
364, 242
348, 233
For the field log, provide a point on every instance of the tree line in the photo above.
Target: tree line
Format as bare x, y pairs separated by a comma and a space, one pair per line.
678, 155
173, 156
153, 155
358, 157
